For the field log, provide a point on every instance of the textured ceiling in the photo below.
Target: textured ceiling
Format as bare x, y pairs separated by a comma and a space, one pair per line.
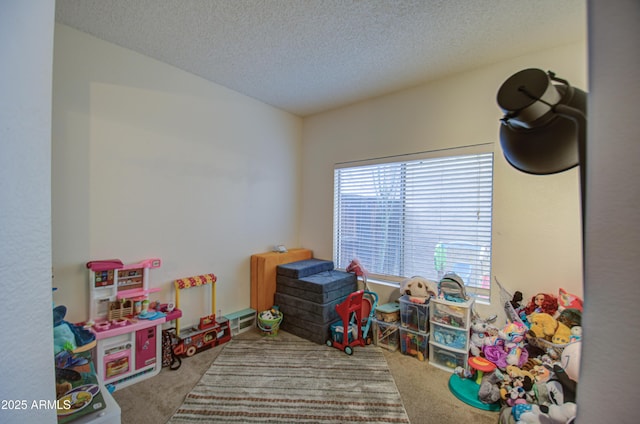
308, 56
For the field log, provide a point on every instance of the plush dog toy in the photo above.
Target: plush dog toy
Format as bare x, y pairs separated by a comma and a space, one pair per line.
418, 287
542, 325
562, 335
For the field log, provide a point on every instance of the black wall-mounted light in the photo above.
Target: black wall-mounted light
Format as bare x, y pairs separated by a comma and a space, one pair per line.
543, 129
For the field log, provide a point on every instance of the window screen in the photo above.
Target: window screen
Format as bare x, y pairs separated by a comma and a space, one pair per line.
421, 217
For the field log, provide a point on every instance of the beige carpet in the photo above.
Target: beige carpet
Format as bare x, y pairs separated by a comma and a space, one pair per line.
423, 390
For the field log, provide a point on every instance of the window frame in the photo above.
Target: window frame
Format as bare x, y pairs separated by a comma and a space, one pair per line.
481, 293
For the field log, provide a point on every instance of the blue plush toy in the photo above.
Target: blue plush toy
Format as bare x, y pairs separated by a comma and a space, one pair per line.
67, 336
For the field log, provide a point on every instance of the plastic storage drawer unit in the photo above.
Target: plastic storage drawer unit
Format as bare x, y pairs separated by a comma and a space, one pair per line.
414, 316
449, 337
446, 359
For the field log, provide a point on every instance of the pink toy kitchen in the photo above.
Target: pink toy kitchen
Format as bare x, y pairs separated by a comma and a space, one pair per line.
126, 322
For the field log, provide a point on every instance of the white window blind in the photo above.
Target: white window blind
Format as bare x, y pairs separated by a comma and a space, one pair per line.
421, 217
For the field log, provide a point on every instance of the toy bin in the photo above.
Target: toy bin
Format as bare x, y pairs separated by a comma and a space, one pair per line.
414, 316
446, 359
337, 332
449, 337
414, 343
269, 322
386, 335
389, 312
451, 314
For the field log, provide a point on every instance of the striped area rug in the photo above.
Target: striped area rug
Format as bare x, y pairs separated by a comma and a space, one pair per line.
276, 380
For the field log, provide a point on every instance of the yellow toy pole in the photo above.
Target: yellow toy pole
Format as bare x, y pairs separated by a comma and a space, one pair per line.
177, 306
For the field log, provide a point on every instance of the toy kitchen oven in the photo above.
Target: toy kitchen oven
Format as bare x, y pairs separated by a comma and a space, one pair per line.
128, 330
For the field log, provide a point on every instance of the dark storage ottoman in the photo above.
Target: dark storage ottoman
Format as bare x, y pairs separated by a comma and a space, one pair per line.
298, 308
307, 293
317, 333
320, 288
304, 268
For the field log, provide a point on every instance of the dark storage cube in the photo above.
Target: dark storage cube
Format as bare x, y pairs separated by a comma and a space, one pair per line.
304, 268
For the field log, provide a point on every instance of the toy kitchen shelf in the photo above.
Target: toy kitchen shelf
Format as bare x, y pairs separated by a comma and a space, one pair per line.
128, 332
449, 324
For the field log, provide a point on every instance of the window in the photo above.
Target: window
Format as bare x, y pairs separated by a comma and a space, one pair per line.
424, 216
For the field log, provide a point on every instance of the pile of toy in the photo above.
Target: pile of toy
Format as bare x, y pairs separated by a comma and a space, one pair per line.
269, 321
536, 357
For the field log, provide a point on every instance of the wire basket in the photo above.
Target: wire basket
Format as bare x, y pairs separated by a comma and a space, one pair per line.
551, 348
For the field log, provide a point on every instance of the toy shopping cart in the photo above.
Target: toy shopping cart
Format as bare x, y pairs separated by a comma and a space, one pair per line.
356, 313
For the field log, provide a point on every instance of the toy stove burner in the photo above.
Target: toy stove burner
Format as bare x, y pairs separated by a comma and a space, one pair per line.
109, 325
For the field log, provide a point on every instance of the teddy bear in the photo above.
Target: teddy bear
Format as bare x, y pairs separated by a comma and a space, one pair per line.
418, 289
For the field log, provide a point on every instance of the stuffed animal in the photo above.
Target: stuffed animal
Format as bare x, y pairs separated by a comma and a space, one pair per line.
489, 391
508, 347
541, 373
542, 325
562, 335
567, 300
513, 371
561, 387
483, 333
576, 334
570, 317
418, 287
552, 414
68, 336
513, 336
521, 382
570, 360
516, 300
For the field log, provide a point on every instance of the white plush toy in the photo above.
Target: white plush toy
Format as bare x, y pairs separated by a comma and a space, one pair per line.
419, 287
552, 414
483, 333
570, 360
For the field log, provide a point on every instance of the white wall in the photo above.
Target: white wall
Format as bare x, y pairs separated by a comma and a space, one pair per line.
607, 389
26, 361
536, 221
150, 161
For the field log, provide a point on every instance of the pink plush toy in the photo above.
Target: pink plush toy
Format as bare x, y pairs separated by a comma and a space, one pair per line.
567, 300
